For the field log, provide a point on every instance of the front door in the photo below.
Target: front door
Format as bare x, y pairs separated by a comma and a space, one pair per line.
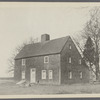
32, 75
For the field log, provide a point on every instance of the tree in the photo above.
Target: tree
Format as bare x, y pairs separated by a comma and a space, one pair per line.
89, 53
11, 59
92, 29
16, 51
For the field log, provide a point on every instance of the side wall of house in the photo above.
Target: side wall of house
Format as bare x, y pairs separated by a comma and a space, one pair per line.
74, 67
17, 70
39, 65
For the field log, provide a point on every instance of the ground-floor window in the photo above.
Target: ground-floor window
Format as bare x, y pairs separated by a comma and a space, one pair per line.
23, 74
70, 75
43, 74
50, 74
70, 60
80, 75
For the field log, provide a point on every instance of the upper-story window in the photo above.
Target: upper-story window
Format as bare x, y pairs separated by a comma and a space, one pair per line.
23, 62
70, 47
46, 59
80, 61
70, 60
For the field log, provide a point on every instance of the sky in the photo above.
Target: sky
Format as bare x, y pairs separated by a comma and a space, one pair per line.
20, 21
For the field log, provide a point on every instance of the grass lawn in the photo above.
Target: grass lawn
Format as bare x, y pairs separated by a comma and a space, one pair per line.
8, 87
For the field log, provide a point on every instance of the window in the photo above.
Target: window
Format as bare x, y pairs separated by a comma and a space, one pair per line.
43, 74
23, 74
46, 59
70, 75
70, 47
23, 62
69, 59
50, 74
80, 75
23, 68
80, 61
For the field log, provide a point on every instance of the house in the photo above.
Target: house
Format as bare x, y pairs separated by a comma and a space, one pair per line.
56, 61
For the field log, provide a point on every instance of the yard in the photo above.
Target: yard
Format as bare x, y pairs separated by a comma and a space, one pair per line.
8, 87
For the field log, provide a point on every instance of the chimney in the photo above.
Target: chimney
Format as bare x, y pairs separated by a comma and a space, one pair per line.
45, 37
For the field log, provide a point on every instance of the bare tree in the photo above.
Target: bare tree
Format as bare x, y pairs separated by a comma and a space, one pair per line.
16, 51
78, 42
92, 29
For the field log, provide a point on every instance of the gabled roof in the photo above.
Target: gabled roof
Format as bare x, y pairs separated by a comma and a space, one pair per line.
79, 50
43, 48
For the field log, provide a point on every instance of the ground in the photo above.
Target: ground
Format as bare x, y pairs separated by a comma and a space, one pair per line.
8, 87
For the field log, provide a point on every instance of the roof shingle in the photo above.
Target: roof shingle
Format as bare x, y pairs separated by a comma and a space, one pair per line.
42, 48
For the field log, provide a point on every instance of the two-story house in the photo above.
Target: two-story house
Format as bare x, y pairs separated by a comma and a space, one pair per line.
56, 61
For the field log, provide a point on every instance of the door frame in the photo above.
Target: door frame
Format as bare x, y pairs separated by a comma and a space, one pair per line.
31, 75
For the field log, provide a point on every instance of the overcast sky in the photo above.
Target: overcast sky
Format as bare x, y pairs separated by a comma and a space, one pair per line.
20, 21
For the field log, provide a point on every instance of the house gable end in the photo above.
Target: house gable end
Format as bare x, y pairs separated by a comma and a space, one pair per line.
66, 47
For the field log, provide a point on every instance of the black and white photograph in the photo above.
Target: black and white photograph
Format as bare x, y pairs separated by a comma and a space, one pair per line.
49, 48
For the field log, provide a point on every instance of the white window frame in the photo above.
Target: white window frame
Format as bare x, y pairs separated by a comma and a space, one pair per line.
80, 61
23, 62
46, 57
81, 75
23, 74
43, 74
70, 75
70, 60
50, 74
70, 47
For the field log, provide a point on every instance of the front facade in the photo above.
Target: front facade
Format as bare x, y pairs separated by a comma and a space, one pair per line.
57, 62
39, 71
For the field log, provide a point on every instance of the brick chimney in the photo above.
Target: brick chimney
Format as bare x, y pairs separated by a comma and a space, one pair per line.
45, 37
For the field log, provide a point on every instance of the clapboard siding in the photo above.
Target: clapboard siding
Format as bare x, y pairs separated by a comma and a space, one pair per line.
74, 66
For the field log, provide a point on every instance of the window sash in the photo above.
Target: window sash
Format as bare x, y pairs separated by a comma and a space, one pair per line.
23, 74
23, 62
50, 74
43, 74
81, 75
70, 75
70, 60
46, 59
80, 61
70, 47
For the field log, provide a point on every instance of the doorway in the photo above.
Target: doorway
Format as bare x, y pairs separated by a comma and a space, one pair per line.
33, 75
